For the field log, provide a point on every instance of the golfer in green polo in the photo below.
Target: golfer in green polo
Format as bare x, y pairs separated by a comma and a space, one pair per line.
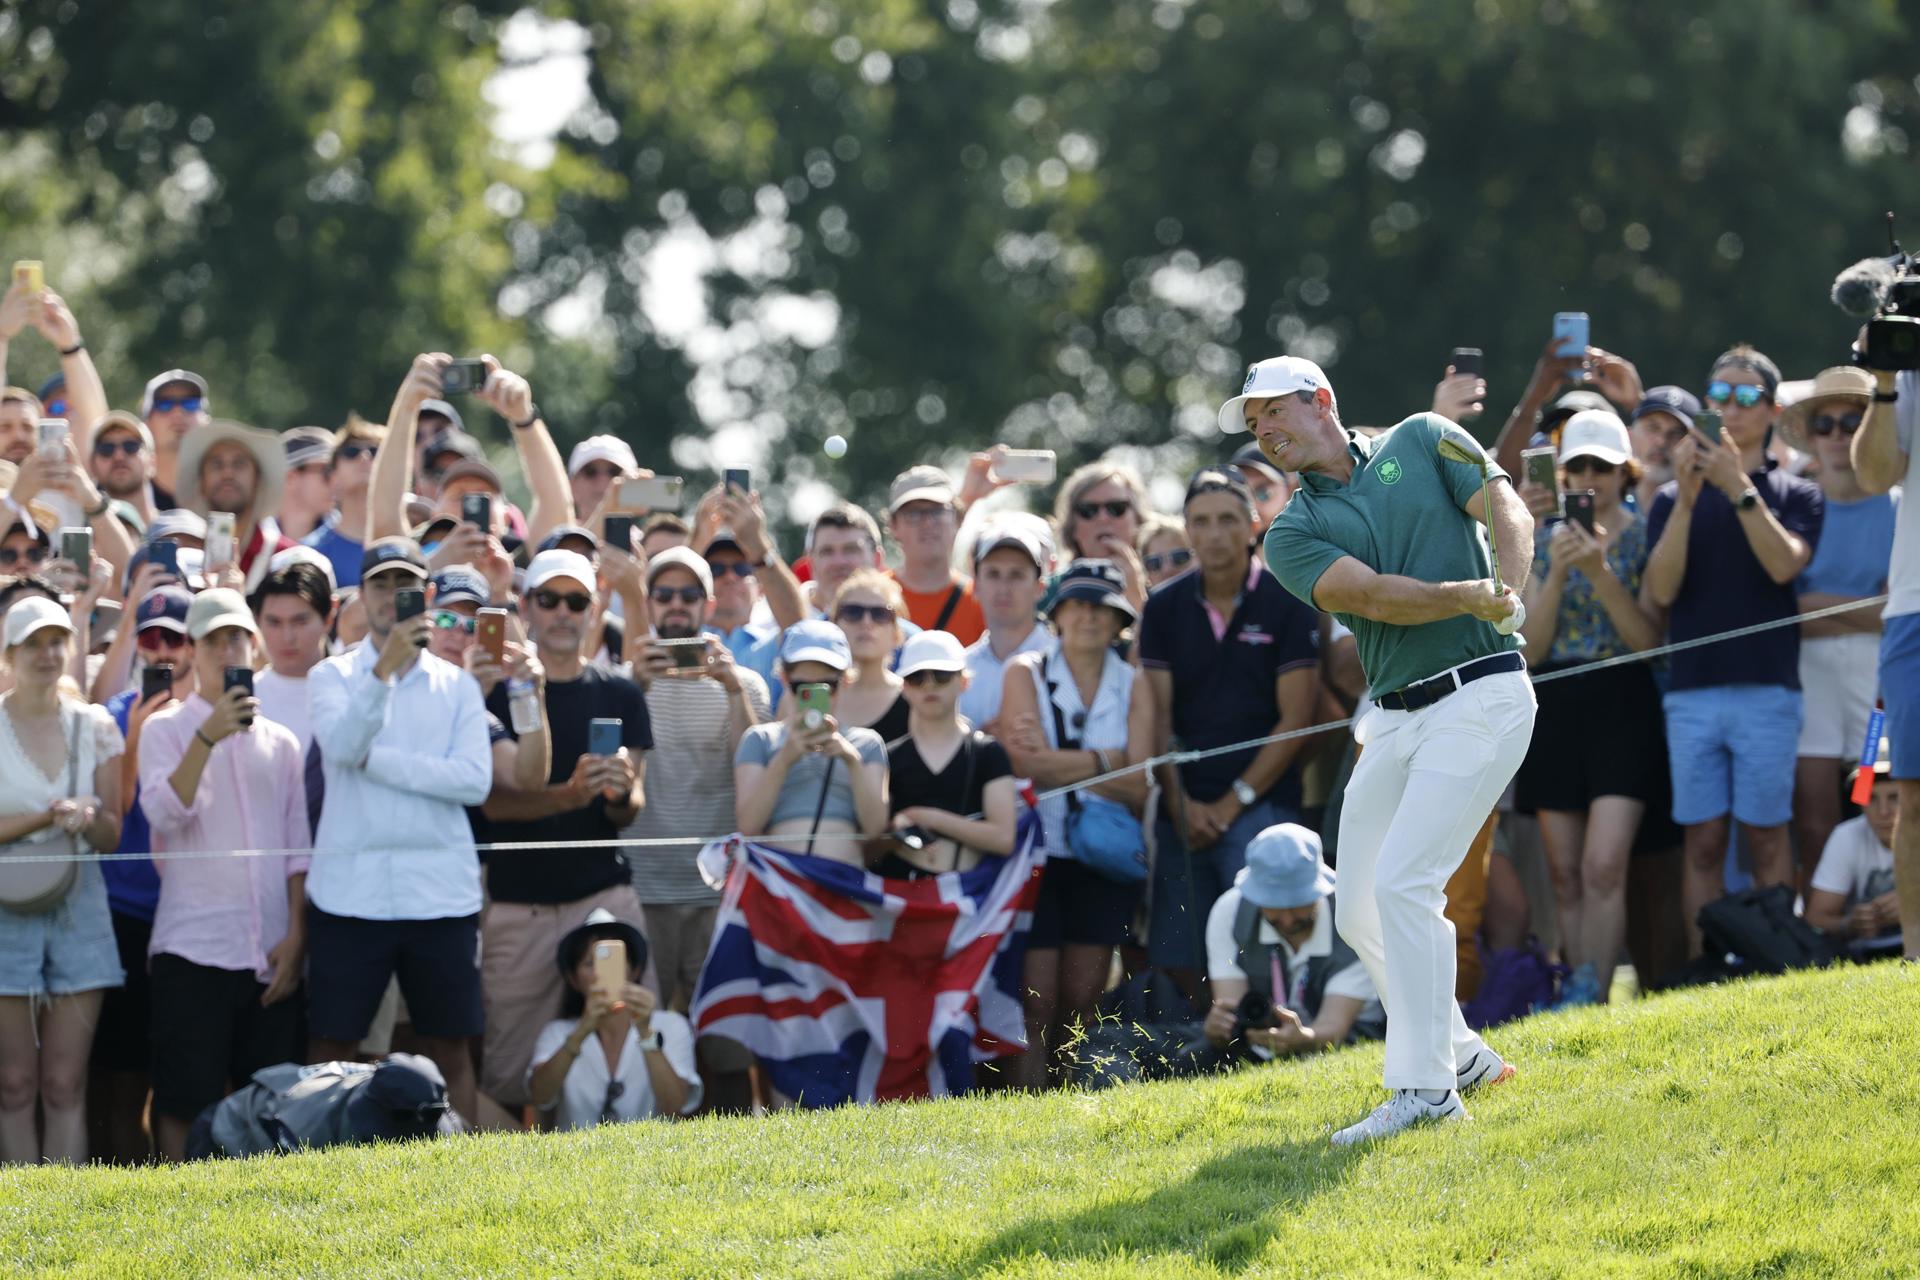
1386, 534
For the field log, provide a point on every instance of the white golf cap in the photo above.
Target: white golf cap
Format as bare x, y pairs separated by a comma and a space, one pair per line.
932, 651
681, 558
1277, 376
35, 613
602, 449
558, 563
1594, 433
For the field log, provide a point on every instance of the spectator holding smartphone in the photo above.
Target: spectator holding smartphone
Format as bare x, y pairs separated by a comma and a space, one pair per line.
942, 773
611, 1056
229, 938
1840, 655
1597, 759
1661, 420
1730, 535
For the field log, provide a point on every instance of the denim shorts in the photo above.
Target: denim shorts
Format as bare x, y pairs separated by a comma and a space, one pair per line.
1900, 687
1732, 749
64, 951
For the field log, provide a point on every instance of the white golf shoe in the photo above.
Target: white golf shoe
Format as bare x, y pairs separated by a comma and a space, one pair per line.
1402, 1111
1484, 1067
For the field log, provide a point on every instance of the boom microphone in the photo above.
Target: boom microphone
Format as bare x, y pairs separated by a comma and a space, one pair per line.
1862, 287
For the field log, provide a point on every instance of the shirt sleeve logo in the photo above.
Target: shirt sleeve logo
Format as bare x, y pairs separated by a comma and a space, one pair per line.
1389, 471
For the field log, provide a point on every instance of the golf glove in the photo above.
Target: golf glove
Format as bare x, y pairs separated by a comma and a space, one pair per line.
1515, 620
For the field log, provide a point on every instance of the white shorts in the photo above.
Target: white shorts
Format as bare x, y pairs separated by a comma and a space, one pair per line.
1839, 680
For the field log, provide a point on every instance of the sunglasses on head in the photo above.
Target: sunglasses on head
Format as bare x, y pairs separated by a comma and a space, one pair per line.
32, 555
1827, 423
578, 601
940, 678
348, 452
447, 620
1116, 508
1746, 396
186, 404
863, 613
738, 568
1178, 558
1584, 465
685, 595
126, 448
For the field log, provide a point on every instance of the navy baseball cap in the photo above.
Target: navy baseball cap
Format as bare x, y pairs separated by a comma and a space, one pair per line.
1678, 401
164, 608
392, 553
1097, 581
459, 582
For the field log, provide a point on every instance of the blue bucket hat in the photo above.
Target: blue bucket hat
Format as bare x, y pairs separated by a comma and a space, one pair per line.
1284, 869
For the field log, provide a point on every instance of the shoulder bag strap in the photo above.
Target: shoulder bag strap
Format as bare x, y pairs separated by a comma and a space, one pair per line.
946, 610
820, 809
1063, 742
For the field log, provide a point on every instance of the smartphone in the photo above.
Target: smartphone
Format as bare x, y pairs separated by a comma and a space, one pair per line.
689, 654
1708, 425
463, 377
220, 532
1579, 508
156, 679
31, 275
610, 966
477, 510
410, 602
738, 478
238, 678
1467, 360
490, 630
53, 437
620, 533
603, 737
1570, 333
652, 493
166, 554
76, 548
1027, 466
815, 702
1539, 465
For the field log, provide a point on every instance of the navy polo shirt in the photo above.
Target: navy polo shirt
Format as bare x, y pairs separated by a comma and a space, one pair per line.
1726, 587
1223, 690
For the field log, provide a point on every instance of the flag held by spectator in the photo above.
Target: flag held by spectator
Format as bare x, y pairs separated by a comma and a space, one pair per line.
851, 988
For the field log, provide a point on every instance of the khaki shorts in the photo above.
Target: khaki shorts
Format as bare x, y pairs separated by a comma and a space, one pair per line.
680, 935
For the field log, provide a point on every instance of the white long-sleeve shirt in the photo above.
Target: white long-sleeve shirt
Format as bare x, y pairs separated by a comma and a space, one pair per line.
402, 760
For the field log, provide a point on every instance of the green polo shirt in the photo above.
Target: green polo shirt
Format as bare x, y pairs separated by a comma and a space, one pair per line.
1401, 514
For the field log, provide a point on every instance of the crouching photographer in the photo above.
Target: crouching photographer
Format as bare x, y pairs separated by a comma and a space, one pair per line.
1284, 983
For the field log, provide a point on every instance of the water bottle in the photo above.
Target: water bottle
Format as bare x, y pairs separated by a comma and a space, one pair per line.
523, 707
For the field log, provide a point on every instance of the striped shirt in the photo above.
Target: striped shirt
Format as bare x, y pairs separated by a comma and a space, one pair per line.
689, 784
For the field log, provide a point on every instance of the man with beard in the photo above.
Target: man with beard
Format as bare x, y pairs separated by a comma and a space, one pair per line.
539, 896
120, 459
231, 467
175, 405
1660, 421
700, 707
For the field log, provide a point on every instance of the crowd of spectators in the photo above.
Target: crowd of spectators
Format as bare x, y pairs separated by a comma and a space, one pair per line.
258, 665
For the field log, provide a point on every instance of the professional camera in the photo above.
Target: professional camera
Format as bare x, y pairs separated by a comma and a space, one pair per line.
1254, 1012
1887, 290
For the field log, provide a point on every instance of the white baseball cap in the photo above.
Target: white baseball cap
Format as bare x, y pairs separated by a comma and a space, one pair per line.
1595, 433
35, 613
932, 651
601, 449
559, 563
1277, 376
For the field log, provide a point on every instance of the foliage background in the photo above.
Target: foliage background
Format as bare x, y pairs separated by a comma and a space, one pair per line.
928, 224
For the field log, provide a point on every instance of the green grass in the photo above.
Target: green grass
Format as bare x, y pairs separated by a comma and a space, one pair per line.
1766, 1129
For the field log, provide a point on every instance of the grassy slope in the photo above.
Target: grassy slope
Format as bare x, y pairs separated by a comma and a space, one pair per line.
1769, 1129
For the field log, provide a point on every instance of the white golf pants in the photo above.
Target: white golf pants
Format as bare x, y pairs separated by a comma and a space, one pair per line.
1420, 791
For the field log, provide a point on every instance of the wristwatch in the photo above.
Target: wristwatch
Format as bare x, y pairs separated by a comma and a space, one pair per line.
1245, 794
1749, 499
651, 1044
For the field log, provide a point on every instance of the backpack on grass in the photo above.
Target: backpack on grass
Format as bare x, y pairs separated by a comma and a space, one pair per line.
293, 1108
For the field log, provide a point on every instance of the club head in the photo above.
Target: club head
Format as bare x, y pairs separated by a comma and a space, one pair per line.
1453, 451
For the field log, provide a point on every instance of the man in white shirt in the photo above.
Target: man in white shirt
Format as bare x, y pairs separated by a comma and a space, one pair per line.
1272, 936
395, 885
1011, 562
292, 607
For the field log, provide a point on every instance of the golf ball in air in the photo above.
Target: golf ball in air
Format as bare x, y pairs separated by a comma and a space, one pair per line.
836, 446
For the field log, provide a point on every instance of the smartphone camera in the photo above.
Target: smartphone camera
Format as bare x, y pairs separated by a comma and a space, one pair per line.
463, 377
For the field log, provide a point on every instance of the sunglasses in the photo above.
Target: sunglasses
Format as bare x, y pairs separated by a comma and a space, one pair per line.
1827, 423
1590, 466
738, 568
685, 595
126, 448
1719, 392
32, 555
447, 620
186, 404
348, 452
920, 678
56, 408
159, 639
1179, 558
598, 471
1116, 508
578, 601
875, 613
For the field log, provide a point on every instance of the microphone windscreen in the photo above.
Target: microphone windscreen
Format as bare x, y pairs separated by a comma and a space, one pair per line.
1860, 289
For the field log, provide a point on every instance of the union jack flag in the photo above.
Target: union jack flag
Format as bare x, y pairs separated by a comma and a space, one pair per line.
852, 988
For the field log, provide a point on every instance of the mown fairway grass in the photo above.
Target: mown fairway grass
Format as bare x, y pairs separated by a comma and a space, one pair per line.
1764, 1129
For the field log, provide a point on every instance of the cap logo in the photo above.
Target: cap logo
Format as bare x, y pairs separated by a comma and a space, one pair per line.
1253, 373
1389, 471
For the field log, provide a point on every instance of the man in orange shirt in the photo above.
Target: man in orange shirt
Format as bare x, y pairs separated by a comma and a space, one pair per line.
924, 520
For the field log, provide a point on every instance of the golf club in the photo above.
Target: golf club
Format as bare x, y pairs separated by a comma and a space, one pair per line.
1453, 451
